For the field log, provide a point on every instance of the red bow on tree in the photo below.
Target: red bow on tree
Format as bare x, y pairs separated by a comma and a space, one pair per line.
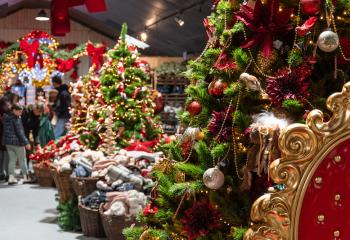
66, 65
32, 52
266, 22
60, 22
96, 54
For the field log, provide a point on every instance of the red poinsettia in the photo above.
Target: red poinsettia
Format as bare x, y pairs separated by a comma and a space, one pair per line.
225, 63
217, 122
266, 22
293, 85
200, 220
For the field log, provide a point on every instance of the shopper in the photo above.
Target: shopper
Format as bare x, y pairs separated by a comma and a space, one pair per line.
45, 131
4, 108
61, 109
16, 142
53, 93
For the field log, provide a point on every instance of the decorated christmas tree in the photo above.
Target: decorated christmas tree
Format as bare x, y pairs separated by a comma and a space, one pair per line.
265, 65
122, 86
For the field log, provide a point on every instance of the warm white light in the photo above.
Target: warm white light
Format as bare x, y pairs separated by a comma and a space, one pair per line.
42, 16
179, 21
143, 36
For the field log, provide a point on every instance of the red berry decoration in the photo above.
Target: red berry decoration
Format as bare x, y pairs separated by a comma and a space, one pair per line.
217, 87
194, 108
101, 120
310, 7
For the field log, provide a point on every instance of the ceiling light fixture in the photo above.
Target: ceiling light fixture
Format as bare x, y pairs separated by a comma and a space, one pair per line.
42, 16
179, 21
143, 36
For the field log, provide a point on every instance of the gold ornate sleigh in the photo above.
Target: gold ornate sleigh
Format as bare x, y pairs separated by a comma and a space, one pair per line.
315, 169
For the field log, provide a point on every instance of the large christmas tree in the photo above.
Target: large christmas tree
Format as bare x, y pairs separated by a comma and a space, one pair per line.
266, 64
120, 106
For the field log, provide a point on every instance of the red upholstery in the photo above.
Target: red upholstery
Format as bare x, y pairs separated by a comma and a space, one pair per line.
325, 212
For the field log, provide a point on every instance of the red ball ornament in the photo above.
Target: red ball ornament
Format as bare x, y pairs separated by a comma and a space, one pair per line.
194, 108
310, 7
217, 87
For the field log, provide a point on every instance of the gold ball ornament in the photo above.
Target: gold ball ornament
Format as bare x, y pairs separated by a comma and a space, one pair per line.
200, 135
328, 41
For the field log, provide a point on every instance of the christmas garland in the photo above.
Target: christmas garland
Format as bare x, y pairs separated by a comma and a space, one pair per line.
44, 55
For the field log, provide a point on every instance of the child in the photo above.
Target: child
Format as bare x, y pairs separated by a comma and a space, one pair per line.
16, 142
45, 130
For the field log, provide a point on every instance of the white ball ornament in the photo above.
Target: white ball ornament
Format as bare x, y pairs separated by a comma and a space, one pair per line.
328, 41
213, 178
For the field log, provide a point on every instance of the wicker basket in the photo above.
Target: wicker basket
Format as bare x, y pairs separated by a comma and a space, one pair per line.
63, 184
91, 222
44, 176
84, 186
114, 225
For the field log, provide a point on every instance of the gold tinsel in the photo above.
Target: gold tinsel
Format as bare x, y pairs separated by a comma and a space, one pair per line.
265, 63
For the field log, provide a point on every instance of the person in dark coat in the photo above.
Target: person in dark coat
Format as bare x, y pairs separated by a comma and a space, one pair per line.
62, 107
16, 142
4, 108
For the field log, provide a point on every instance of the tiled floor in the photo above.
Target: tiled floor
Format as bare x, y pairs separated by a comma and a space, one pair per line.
29, 212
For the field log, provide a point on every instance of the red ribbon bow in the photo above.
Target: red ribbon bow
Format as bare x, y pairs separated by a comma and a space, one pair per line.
96, 54
60, 21
32, 52
66, 65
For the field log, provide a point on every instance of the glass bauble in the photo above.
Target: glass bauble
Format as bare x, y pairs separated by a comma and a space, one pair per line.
213, 178
328, 41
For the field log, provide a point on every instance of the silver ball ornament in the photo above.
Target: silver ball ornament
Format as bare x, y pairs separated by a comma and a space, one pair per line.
328, 41
213, 178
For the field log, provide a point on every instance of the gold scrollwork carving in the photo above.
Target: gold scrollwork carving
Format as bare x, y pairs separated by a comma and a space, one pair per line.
273, 214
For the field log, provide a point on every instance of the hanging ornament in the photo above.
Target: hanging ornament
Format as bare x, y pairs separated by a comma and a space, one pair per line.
217, 87
250, 81
190, 134
310, 7
306, 27
200, 135
194, 108
213, 178
328, 41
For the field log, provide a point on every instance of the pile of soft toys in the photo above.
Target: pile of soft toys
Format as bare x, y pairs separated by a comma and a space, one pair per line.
124, 183
124, 177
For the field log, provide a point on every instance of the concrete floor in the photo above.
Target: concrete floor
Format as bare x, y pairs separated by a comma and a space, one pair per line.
29, 212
